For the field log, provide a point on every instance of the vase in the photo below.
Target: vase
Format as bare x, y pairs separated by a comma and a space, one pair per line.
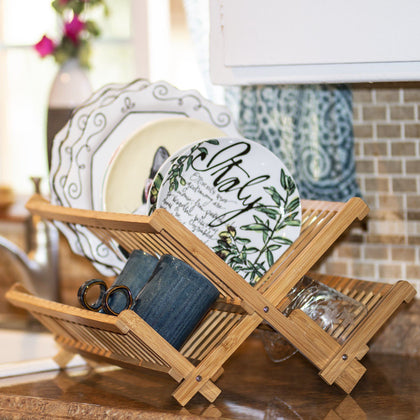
70, 87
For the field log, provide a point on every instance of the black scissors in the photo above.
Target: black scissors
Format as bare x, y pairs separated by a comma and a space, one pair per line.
107, 297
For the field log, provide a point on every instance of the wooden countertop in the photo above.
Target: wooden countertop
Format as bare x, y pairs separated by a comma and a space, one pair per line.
252, 388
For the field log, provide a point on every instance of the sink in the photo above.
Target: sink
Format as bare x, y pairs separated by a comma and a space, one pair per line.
24, 352
18, 345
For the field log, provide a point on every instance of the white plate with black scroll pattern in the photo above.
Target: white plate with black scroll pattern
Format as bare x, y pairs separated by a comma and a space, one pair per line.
85, 148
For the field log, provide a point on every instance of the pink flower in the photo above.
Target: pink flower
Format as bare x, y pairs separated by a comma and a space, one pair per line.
73, 28
45, 46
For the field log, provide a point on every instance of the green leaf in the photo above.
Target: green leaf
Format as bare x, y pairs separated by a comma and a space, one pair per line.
189, 162
273, 247
290, 217
270, 258
92, 28
270, 212
276, 197
213, 141
282, 240
257, 219
290, 184
283, 181
293, 223
158, 180
251, 250
243, 240
293, 205
265, 236
255, 227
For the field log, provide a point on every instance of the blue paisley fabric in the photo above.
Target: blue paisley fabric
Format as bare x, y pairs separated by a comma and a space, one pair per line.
310, 128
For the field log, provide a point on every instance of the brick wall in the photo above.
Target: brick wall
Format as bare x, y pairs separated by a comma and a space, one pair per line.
387, 148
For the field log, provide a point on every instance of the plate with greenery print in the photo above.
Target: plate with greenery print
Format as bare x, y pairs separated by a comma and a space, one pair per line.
237, 197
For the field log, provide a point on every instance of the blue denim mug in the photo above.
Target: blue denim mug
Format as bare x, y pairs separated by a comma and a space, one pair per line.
123, 292
175, 299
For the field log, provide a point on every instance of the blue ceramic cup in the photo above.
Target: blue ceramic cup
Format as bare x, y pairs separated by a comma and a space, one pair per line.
134, 275
175, 299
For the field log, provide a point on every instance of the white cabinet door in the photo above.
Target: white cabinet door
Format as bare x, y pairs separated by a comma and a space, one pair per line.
310, 41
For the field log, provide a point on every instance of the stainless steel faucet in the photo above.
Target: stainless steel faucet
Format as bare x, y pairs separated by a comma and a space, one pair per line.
40, 259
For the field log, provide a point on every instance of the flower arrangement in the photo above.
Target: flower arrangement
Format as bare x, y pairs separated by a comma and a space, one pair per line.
77, 31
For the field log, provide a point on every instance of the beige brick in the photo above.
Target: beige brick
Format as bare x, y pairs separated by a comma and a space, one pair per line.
403, 254
373, 113
389, 131
413, 272
402, 112
356, 113
355, 238
412, 130
337, 268
413, 202
412, 166
376, 148
387, 95
362, 95
413, 215
376, 252
404, 184
358, 149
389, 166
349, 251
371, 200
386, 215
363, 131
411, 94
413, 240
390, 271
403, 148
386, 239
377, 184
363, 270
391, 202
365, 166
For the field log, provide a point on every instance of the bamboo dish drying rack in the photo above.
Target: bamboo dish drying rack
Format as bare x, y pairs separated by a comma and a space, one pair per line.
126, 340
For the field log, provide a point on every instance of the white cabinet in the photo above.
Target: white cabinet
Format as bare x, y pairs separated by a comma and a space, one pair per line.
313, 41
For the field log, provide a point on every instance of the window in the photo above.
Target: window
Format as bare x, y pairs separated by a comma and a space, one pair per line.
140, 38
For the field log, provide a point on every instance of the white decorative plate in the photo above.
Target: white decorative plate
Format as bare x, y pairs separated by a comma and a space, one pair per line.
84, 148
238, 198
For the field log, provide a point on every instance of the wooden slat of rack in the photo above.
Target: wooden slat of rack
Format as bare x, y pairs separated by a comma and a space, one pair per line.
166, 351
68, 313
210, 332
